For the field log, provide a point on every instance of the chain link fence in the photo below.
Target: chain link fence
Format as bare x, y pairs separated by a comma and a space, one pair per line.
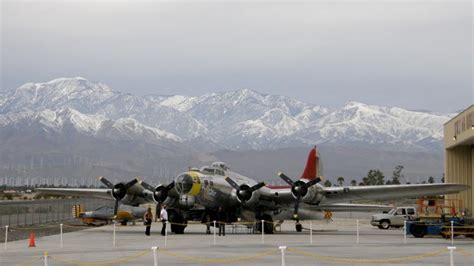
26, 213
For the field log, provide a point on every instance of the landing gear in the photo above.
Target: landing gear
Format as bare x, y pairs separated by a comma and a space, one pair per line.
177, 222
267, 225
298, 226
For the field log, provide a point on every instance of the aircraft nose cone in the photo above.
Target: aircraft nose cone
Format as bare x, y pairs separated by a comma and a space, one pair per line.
184, 183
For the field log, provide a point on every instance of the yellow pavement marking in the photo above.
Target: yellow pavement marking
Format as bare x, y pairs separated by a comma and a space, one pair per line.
206, 260
112, 261
349, 260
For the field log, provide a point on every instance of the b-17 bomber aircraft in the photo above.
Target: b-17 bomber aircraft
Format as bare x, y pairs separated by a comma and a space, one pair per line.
198, 193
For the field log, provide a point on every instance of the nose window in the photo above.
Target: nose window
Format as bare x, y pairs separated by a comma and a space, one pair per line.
184, 183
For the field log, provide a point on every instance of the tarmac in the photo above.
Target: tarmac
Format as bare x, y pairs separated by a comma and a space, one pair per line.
333, 243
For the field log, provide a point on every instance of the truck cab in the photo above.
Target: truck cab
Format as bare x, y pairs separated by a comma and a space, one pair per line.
394, 218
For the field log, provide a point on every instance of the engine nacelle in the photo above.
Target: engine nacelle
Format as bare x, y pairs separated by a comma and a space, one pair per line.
119, 191
313, 195
160, 194
246, 198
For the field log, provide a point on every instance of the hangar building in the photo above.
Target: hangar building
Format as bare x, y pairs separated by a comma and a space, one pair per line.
459, 155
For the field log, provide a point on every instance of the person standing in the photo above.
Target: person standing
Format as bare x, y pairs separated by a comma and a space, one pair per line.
157, 212
147, 218
208, 224
164, 219
221, 216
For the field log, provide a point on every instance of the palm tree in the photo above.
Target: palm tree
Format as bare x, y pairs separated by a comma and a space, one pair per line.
340, 180
354, 183
327, 183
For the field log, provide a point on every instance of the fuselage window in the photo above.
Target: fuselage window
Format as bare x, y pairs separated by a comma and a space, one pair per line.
206, 183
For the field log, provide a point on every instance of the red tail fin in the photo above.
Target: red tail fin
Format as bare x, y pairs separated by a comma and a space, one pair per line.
310, 171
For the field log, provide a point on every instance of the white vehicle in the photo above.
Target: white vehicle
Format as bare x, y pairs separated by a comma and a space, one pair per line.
394, 218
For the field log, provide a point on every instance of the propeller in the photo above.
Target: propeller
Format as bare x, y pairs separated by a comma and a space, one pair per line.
119, 190
160, 193
244, 191
298, 189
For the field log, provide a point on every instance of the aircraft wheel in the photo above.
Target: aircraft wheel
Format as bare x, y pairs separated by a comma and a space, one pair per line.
177, 222
299, 227
123, 223
268, 225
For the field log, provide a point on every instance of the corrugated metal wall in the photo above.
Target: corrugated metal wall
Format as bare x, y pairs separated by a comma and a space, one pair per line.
459, 169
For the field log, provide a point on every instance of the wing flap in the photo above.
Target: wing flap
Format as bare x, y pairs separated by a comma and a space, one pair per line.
350, 207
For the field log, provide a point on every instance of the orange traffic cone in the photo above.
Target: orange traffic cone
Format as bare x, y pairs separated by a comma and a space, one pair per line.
32, 240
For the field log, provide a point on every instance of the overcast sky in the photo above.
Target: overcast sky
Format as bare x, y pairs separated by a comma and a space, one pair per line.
416, 55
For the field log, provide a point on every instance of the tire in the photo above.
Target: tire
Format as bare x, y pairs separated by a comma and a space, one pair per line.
299, 227
379, 226
177, 222
418, 230
385, 224
267, 225
123, 223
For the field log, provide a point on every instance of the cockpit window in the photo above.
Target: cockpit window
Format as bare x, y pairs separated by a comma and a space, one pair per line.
206, 170
219, 172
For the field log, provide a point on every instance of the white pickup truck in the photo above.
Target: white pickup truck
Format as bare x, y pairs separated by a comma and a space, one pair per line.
394, 218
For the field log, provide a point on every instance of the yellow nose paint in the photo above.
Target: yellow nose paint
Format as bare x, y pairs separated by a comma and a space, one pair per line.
196, 188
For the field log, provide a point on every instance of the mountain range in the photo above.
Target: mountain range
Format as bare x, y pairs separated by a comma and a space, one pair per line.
46, 128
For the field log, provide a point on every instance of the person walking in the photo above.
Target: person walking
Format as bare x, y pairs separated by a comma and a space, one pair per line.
164, 219
221, 216
147, 218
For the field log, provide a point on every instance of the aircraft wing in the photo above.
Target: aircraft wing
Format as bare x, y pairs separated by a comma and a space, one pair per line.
349, 207
385, 192
100, 193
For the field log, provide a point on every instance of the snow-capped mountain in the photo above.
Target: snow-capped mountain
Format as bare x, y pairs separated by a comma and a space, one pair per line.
67, 121
240, 119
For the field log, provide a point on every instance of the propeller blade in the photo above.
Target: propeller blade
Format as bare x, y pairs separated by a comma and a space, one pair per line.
106, 182
232, 183
169, 187
147, 186
286, 179
297, 203
312, 182
257, 186
131, 183
116, 207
